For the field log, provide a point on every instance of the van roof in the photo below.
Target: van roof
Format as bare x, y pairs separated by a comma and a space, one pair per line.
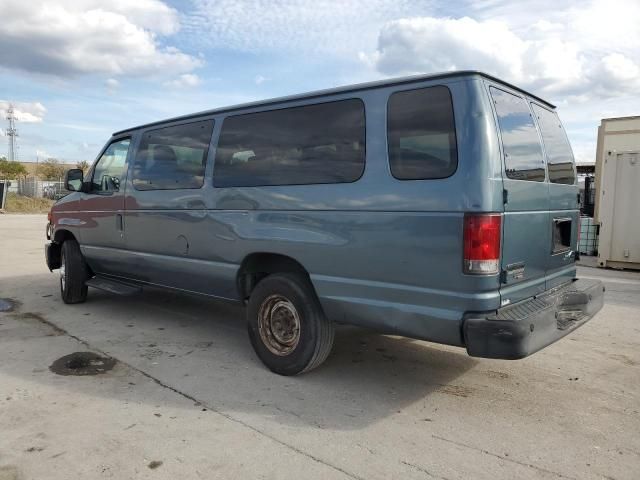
337, 90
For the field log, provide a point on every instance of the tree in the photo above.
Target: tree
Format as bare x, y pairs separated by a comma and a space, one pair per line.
83, 165
50, 169
11, 169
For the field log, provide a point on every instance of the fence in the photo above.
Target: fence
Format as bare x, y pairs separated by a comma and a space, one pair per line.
36, 188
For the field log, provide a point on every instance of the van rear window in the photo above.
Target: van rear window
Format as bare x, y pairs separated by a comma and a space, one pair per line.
520, 141
556, 145
312, 144
421, 134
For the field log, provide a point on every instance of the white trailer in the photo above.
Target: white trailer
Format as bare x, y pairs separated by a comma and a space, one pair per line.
617, 208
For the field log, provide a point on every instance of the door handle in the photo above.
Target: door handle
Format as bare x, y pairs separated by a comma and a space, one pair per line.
119, 223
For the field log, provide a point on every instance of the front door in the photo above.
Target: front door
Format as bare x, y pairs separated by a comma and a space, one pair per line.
102, 208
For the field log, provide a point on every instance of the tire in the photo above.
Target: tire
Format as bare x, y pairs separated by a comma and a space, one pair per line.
275, 304
73, 273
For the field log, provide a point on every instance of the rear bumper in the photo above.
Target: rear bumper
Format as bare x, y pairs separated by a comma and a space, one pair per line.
518, 330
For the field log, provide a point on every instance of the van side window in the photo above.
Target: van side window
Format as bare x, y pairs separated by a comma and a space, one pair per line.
312, 144
556, 145
520, 141
110, 168
421, 134
173, 157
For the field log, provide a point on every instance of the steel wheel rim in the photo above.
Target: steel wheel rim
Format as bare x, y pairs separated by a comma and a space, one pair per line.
63, 272
279, 325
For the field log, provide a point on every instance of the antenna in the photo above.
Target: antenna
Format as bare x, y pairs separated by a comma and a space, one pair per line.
12, 133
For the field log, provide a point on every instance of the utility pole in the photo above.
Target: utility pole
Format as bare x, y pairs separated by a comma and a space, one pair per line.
12, 133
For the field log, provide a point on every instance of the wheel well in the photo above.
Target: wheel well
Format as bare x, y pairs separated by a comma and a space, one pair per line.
258, 265
59, 238
62, 235
54, 250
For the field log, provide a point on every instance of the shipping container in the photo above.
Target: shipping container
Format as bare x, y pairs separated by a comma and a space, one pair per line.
618, 192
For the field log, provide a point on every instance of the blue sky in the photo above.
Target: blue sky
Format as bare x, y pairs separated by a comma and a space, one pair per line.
77, 70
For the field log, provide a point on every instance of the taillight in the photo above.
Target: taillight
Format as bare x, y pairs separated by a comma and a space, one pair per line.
482, 243
49, 216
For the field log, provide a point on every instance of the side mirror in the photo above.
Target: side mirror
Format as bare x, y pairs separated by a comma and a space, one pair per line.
73, 180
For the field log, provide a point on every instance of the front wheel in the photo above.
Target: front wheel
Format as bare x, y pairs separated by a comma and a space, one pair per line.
287, 327
73, 273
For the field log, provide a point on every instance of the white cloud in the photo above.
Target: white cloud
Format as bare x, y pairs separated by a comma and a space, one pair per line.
25, 112
620, 68
111, 85
605, 25
153, 15
440, 44
259, 80
549, 59
566, 52
184, 80
334, 26
66, 38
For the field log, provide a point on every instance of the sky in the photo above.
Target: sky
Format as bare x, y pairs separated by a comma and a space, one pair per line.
78, 70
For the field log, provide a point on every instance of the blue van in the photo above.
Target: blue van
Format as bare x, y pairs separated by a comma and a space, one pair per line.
440, 207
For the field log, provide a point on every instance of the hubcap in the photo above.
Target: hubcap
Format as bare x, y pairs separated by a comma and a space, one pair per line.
63, 270
279, 325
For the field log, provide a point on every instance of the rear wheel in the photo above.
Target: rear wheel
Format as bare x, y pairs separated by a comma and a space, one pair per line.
73, 273
287, 327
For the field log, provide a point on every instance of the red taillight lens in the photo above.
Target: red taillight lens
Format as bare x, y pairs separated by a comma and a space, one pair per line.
49, 216
482, 243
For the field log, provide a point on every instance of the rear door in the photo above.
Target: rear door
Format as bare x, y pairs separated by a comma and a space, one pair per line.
564, 213
526, 232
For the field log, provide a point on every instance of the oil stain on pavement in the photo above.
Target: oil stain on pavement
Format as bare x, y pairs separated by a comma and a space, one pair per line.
82, 363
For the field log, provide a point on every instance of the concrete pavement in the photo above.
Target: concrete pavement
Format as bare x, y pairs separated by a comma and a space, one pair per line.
188, 398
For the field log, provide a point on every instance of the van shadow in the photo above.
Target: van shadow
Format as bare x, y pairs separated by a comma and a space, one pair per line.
200, 347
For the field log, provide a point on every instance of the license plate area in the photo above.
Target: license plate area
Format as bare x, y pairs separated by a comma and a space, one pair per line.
562, 228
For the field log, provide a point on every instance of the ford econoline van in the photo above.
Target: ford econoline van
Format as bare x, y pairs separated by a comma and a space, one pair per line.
441, 208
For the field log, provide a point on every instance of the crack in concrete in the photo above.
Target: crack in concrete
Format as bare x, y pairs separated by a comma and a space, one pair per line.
502, 457
200, 402
423, 470
38, 317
